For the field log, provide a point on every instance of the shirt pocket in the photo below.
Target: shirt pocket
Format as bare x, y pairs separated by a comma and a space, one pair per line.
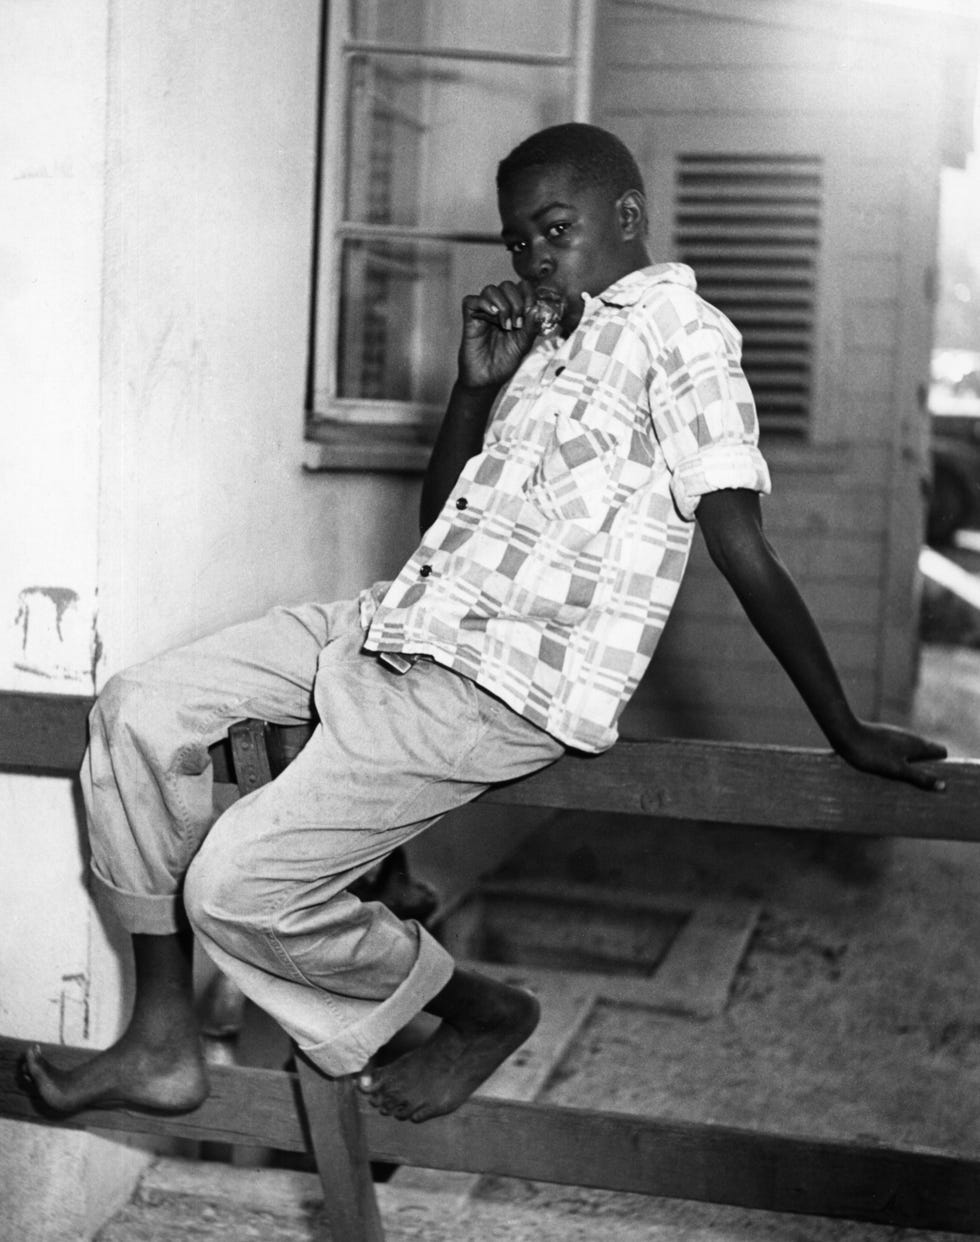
575, 478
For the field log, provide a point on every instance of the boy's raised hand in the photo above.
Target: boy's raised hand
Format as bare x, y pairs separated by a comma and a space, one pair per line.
498, 330
886, 750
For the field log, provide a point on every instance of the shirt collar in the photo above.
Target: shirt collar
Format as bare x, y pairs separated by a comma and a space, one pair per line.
628, 290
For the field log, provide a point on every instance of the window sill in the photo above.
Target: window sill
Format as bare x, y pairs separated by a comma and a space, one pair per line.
335, 445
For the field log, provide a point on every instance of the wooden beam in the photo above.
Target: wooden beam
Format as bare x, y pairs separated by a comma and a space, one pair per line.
43, 732
764, 786
668, 778
340, 1148
573, 1146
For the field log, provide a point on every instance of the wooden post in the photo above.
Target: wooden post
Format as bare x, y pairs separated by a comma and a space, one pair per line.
341, 1152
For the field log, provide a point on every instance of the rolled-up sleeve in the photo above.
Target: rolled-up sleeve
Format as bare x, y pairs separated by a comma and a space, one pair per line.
703, 411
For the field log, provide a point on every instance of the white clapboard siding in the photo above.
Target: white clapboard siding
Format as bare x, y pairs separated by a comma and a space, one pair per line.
779, 168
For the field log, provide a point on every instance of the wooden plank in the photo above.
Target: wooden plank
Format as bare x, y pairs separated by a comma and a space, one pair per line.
758, 688
870, 324
254, 1107
651, 721
950, 576
755, 90
702, 639
43, 732
766, 786
671, 778
842, 599
696, 975
340, 1149
582, 1147
664, 40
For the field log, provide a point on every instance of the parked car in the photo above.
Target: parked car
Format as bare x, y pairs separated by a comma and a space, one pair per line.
954, 492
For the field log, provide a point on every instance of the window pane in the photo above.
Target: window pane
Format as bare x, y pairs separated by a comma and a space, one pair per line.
418, 149
400, 315
512, 26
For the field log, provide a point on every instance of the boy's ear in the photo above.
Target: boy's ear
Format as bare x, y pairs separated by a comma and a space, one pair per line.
632, 209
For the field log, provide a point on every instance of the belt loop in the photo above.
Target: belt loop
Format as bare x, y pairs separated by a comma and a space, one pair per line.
396, 661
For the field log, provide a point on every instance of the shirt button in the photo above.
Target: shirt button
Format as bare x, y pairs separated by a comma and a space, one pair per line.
425, 571
462, 503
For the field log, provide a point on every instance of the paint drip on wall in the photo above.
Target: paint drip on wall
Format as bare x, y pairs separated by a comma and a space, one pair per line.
53, 636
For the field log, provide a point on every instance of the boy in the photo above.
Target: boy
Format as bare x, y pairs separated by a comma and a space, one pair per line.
557, 513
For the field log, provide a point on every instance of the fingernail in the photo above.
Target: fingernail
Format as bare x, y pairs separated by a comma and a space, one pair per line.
519, 321
508, 325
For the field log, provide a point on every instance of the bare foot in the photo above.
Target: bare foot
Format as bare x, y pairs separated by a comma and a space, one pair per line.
483, 1022
167, 1078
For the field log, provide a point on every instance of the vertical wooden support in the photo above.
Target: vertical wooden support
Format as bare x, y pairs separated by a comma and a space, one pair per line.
341, 1153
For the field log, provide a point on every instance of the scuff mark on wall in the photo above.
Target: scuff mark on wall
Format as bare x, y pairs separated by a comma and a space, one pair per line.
61, 597
51, 635
97, 649
73, 1013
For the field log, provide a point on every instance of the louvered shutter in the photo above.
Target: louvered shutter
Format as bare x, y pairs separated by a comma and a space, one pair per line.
749, 225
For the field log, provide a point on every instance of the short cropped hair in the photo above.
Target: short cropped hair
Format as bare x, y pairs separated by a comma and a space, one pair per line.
593, 155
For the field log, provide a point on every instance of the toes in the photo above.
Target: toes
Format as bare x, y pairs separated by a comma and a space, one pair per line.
33, 1068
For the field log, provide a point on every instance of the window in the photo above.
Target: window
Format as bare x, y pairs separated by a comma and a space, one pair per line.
750, 225
421, 99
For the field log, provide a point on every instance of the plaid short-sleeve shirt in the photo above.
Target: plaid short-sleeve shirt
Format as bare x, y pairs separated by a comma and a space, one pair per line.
550, 572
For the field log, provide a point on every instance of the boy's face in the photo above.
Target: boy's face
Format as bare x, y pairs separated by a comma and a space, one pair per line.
570, 237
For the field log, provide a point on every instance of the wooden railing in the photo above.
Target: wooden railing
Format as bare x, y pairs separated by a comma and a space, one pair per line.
669, 779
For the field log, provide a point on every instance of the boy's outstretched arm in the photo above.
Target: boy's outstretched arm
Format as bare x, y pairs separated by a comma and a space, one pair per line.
731, 523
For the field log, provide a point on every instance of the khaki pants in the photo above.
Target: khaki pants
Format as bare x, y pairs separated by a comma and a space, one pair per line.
264, 887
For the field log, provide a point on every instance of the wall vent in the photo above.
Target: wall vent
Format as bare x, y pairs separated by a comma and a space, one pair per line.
750, 227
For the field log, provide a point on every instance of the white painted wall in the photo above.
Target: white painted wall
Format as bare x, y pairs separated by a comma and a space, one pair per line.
155, 228
206, 516
53, 955
52, 126
155, 247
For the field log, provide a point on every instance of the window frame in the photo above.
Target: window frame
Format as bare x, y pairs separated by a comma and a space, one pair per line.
353, 433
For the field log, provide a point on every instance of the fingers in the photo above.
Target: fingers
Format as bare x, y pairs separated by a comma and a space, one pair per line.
921, 750
923, 779
928, 750
897, 754
504, 305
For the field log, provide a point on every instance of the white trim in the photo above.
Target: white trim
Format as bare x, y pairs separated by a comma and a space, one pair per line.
425, 52
335, 228
585, 28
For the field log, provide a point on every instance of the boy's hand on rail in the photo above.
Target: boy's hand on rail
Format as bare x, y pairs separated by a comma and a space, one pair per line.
885, 750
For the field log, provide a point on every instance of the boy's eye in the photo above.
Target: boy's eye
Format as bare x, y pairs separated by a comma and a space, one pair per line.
515, 247
555, 230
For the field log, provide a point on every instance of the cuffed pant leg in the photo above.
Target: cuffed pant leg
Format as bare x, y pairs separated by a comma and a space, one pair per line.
147, 779
266, 892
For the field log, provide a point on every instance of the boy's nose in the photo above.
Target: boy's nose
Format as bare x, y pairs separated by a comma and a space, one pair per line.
536, 264
543, 265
